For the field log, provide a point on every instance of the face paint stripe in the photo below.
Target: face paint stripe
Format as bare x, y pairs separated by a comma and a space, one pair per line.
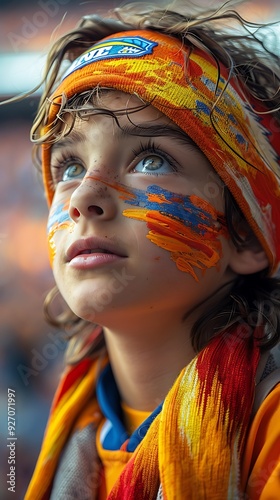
187, 248
127, 193
59, 219
186, 226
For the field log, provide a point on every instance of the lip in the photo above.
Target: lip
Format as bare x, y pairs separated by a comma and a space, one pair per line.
92, 252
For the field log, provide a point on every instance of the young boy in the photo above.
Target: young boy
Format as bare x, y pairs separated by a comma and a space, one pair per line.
160, 165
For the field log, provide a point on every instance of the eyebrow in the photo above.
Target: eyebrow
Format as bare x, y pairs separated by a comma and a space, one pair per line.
73, 138
160, 130
149, 130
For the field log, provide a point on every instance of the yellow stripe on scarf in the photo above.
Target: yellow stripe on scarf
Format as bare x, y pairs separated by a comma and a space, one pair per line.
61, 422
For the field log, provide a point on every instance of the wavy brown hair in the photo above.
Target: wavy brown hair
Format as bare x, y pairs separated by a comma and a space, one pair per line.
254, 301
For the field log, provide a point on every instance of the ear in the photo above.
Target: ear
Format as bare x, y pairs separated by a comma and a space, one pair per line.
248, 260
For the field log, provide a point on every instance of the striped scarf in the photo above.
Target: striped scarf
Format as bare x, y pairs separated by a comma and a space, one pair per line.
193, 447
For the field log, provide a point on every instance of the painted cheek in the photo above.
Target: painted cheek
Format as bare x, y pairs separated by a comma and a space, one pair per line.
187, 227
58, 219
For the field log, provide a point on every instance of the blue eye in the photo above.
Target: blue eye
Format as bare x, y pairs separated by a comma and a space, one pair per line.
73, 171
154, 164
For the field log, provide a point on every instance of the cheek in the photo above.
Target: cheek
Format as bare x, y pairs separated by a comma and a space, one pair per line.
188, 227
58, 220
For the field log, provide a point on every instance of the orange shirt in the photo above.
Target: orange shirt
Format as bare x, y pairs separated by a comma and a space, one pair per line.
261, 465
114, 461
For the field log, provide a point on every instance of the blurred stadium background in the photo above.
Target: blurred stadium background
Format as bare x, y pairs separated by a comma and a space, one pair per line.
30, 351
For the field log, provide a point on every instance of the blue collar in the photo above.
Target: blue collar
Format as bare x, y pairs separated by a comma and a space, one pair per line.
114, 434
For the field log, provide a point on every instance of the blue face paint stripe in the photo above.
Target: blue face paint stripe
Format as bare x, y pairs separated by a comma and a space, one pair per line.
175, 205
58, 215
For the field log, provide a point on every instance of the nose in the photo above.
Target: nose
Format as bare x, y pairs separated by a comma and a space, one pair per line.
92, 198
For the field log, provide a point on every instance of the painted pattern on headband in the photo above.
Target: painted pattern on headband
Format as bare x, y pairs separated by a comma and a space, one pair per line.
115, 48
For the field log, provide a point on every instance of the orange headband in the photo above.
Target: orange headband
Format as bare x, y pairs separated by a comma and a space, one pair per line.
154, 67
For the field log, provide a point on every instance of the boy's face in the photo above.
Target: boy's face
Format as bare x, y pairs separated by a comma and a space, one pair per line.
137, 221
